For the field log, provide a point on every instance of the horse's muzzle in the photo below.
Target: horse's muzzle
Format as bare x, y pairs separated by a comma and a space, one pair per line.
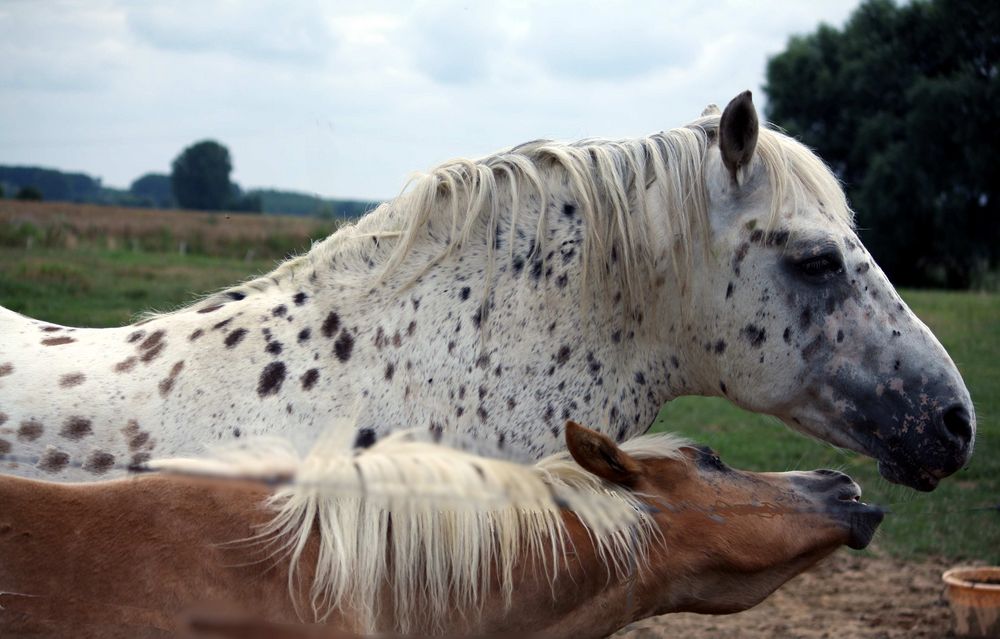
840, 497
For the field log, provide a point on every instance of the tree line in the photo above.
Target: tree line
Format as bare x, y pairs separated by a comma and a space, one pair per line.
904, 103
200, 179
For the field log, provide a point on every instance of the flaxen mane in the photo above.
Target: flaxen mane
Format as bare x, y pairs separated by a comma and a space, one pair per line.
466, 203
443, 527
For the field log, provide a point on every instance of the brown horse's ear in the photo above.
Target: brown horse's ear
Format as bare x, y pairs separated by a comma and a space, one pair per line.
738, 129
599, 455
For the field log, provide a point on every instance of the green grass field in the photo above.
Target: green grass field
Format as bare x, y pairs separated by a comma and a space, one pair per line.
94, 287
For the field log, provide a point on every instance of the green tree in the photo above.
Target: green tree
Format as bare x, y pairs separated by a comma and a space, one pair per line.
155, 188
902, 102
200, 176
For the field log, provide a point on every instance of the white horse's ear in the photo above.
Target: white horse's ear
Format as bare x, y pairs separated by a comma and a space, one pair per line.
711, 109
599, 455
738, 130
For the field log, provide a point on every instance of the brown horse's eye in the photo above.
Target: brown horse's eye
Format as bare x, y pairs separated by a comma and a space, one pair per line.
708, 458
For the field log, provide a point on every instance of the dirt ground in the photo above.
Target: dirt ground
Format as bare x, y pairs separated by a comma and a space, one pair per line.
847, 596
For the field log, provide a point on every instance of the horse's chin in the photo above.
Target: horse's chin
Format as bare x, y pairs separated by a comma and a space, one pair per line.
911, 476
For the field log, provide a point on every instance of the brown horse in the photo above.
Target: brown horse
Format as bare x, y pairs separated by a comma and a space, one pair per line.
623, 533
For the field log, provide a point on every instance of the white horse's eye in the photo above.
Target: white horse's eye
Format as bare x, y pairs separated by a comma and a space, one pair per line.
820, 266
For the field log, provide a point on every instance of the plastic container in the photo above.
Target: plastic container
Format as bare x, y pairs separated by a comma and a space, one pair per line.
974, 595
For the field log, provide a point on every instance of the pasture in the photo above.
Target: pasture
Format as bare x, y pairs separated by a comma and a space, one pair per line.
90, 266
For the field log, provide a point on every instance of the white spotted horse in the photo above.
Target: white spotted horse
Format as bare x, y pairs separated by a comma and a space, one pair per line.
495, 298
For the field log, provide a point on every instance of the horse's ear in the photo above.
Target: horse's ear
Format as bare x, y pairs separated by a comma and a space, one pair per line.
738, 129
599, 455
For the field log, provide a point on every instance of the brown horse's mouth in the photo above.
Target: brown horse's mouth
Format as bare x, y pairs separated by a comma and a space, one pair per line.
862, 519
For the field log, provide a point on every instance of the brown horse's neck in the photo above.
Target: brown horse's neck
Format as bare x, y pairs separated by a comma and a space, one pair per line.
132, 557
137, 557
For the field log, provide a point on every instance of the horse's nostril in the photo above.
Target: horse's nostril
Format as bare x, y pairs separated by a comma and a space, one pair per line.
958, 424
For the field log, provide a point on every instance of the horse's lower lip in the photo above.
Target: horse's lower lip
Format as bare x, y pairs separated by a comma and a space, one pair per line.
862, 521
912, 476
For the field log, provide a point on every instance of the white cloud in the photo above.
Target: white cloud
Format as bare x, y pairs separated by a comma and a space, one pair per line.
346, 99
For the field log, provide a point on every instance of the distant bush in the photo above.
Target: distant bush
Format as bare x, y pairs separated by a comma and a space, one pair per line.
29, 193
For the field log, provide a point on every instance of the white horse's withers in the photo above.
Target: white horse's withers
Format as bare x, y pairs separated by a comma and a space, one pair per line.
496, 298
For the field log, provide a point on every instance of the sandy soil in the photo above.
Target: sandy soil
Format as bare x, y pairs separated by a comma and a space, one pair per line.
846, 597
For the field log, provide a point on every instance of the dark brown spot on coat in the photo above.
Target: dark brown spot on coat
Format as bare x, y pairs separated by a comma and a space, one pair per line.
167, 383
126, 364
309, 378
563, 355
271, 379
153, 353
390, 370
137, 439
720, 347
196, 334
304, 335
57, 341
343, 346
76, 428
139, 459
153, 340
6, 369
53, 461
135, 336
862, 268
4, 446
30, 430
279, 311
805, 318
365, 438
331, 324
753, 334
741, 253
210, 309
99, 462
220, 325
274, 348
51, 329
300, 298
71, 379
235, 337
729, 290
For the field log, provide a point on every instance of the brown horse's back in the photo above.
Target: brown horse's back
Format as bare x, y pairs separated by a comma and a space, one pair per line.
132, 557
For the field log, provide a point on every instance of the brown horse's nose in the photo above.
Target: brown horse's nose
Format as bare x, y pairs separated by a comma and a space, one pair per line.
830, 485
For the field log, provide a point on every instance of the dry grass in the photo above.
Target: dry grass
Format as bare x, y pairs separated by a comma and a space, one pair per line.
68, 225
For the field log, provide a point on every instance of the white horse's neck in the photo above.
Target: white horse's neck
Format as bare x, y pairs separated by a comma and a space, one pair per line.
502, 354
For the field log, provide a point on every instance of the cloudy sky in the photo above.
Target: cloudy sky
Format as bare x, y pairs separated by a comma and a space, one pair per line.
348, 98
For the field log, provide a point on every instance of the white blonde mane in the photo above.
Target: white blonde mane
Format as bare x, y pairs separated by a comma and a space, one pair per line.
461, 203
438, 527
